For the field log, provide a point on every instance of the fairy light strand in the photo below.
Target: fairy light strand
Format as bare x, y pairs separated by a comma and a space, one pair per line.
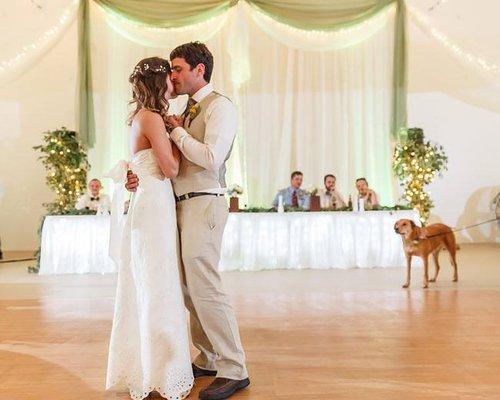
27, 50
424, 23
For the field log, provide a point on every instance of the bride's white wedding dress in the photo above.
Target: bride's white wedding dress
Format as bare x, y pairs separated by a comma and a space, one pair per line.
149, 346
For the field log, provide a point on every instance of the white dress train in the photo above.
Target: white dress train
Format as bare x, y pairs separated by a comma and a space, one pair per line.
149, 345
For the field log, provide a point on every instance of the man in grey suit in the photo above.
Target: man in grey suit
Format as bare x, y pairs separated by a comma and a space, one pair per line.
293, 196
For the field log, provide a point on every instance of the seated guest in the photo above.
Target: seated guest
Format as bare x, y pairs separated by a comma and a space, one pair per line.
330, 197
94, 200
370, 198
293, 196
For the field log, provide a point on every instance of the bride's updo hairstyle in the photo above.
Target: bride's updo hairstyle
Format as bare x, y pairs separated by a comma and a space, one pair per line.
149, 85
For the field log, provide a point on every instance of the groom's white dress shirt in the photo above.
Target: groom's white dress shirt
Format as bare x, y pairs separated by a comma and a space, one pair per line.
221, 124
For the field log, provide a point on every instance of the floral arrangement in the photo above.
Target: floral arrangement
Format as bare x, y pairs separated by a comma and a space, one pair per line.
193, 112
235, 190
65, 160
312, 191
416, 163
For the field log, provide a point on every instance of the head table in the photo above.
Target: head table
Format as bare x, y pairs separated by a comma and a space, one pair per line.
252, 241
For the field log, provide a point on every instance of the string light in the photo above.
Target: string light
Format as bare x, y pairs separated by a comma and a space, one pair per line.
436, 5
64, 20
424, 23
416, 163
314, 35
221, 19
62, 166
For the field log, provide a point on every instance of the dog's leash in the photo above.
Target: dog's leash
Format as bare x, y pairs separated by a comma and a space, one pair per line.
461, 229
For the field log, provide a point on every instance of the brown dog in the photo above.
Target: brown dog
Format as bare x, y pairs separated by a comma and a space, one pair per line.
421, 242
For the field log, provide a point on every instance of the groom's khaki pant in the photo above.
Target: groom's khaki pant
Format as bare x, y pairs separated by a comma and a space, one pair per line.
214, 329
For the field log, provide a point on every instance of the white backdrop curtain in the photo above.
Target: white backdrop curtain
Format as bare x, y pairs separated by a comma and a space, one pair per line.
320, 40
319, 110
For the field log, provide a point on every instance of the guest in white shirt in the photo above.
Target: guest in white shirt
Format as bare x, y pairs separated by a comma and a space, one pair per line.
370, 198
330, 197
94, 200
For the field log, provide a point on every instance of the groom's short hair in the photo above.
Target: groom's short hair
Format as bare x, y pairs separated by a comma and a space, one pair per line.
195, 53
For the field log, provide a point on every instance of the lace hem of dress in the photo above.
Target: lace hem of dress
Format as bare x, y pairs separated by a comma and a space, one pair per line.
178, 391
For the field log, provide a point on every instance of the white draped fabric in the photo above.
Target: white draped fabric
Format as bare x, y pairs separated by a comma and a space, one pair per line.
254, 242
162, 37
76, 244
316, 111
320, 40
251, 242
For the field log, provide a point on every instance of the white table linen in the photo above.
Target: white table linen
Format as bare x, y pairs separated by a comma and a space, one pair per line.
75, 244
252, 242
313, 240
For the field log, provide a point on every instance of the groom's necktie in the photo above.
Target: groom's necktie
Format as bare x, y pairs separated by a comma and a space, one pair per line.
191, 102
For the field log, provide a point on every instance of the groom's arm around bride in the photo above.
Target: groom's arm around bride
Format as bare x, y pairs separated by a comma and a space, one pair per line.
220, 121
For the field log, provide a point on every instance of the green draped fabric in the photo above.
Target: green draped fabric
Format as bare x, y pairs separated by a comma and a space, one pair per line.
320, 14
399, 112
336, 14
303, 14
85, 117
167, 13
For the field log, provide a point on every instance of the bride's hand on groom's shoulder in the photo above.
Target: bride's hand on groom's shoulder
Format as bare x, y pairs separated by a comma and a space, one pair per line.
174, 121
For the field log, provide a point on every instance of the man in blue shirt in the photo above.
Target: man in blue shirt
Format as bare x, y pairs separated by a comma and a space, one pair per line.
293, 196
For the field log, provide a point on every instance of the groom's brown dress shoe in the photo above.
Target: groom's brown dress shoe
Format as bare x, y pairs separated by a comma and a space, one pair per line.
222, 388
199, 372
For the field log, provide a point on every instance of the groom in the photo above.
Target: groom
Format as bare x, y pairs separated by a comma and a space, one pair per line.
205, 140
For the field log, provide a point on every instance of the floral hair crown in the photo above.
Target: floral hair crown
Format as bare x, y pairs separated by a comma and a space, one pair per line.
145, 69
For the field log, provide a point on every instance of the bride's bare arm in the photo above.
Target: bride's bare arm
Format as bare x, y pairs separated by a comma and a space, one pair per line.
177, 153
153, 127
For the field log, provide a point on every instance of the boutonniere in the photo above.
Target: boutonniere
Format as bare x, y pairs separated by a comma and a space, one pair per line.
193, 111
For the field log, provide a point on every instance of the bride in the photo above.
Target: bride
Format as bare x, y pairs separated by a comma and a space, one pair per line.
149, 345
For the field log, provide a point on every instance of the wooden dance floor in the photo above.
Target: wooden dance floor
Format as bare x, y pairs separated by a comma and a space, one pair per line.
335, 334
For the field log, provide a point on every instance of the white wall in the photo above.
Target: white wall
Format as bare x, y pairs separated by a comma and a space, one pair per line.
456, 108
459, 108
41, 99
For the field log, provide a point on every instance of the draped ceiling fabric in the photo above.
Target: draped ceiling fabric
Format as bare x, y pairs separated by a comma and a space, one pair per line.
167, 13
355, 60
85, 100
320, 14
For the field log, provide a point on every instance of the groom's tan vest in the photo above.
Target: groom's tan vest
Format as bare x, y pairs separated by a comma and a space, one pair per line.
192, 177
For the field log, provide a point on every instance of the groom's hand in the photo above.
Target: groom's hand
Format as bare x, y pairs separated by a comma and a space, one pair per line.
132, 181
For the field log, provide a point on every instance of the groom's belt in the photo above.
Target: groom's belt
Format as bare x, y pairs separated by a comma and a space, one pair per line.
195, 194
